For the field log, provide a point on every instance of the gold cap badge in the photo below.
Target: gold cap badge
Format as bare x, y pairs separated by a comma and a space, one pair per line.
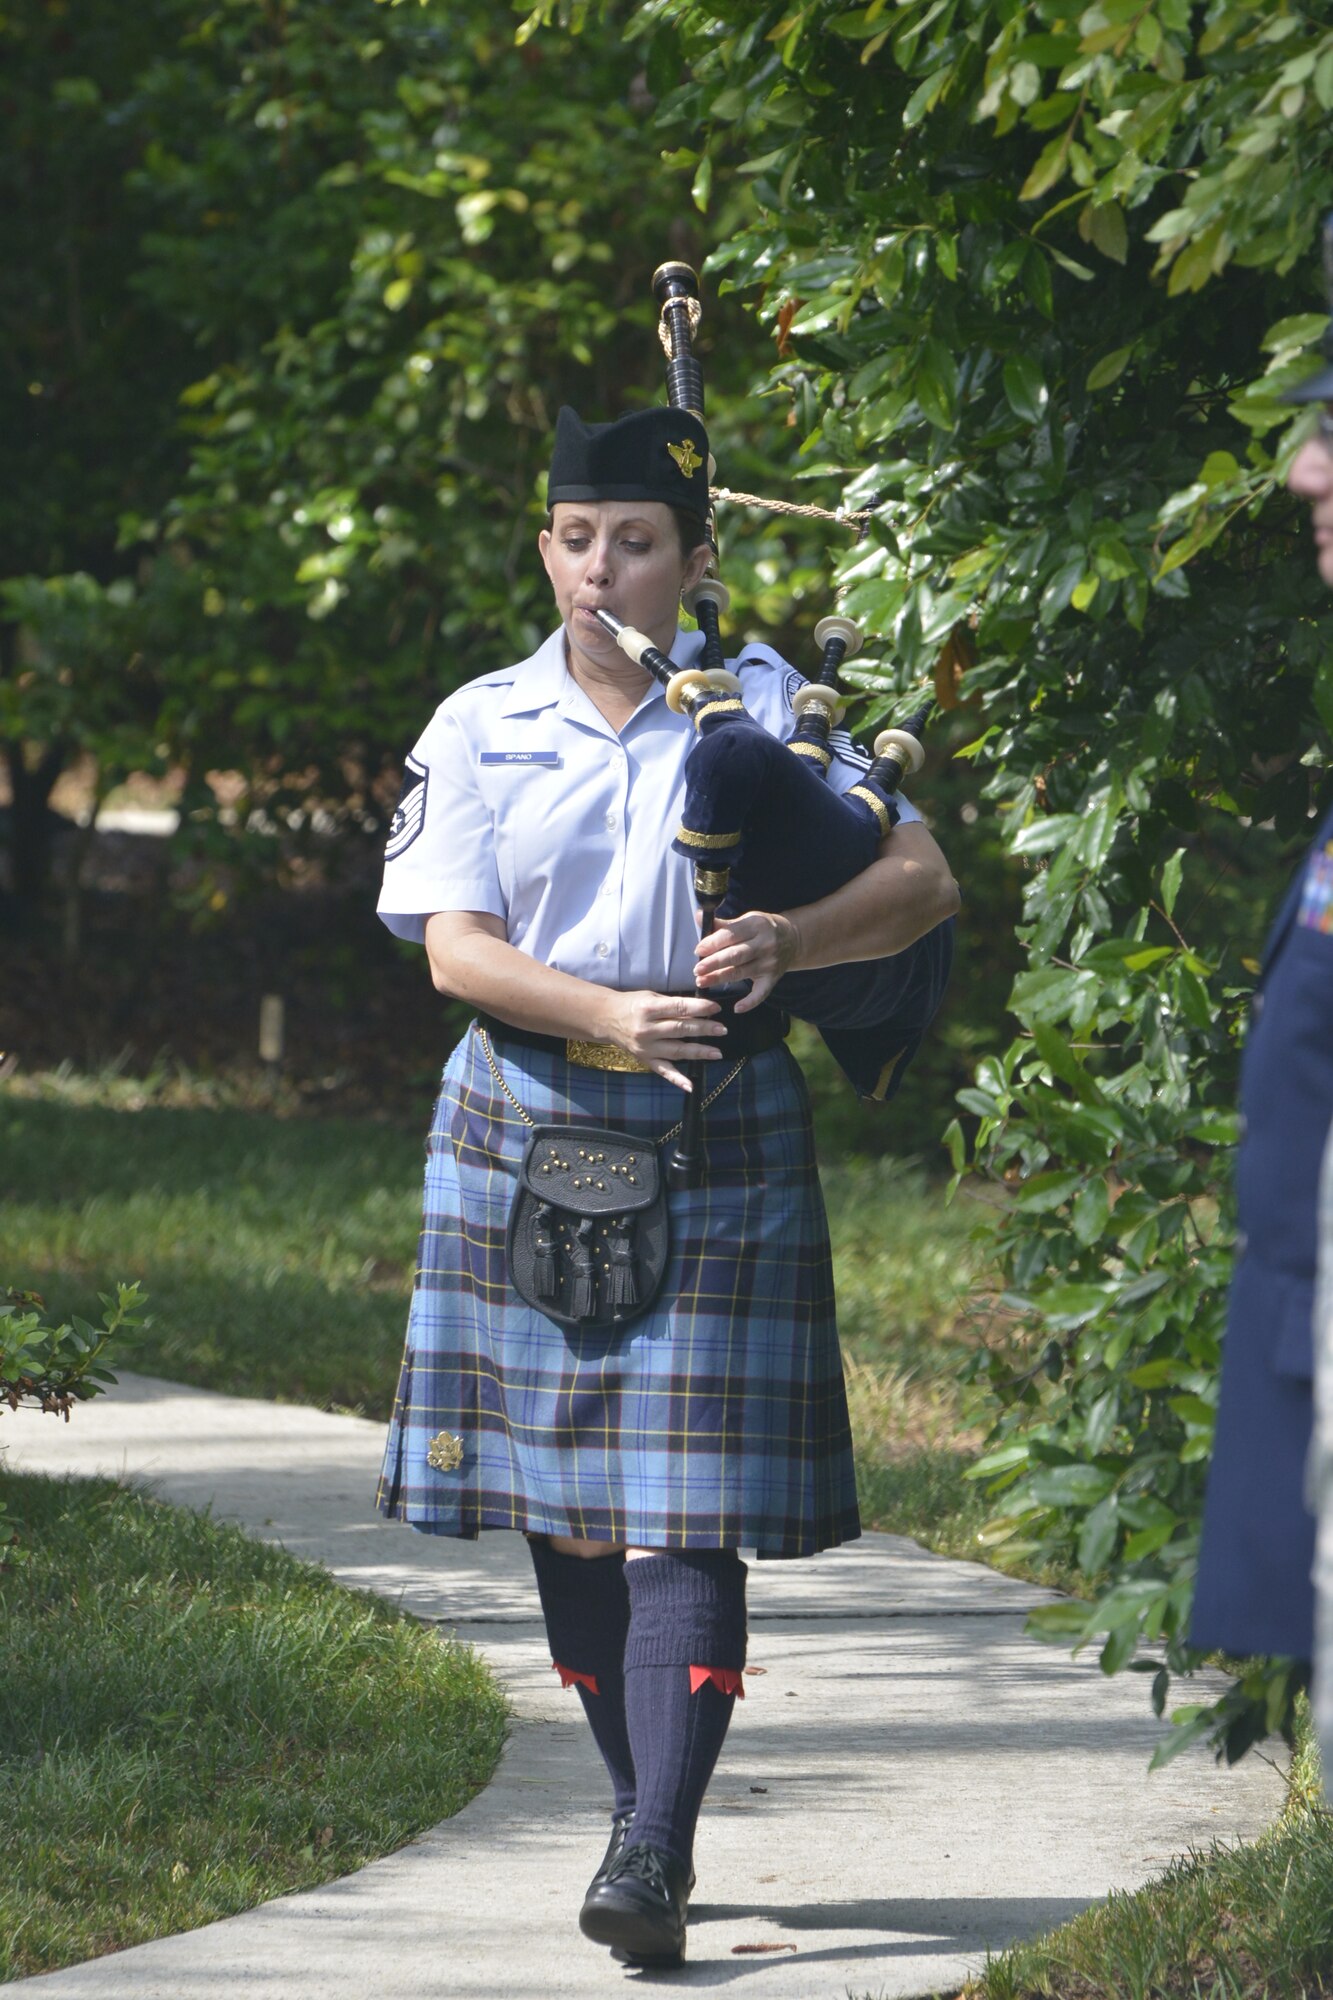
445, 1452
686, 457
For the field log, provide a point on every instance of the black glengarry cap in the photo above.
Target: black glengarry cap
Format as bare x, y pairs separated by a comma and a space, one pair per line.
1318, 388
657, 454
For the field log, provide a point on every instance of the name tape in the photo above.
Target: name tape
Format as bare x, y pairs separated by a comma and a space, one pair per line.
520, 757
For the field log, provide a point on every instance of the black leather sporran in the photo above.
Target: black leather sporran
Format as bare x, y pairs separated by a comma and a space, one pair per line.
588, 1234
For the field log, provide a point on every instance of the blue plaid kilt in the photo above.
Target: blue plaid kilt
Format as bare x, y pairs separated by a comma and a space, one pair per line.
717, 1420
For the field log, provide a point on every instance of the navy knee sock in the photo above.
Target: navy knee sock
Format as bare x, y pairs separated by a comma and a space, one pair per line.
586, 1608
683, 1663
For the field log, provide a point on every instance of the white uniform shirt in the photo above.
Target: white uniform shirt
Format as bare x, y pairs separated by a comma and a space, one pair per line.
522, 802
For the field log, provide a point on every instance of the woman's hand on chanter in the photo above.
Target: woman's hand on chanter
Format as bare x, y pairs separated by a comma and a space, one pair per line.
759, 946
664, 1030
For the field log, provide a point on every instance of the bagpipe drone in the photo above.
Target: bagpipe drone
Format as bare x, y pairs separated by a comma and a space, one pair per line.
760, 824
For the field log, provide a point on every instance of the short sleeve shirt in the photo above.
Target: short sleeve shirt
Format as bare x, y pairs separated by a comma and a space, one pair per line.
520, 801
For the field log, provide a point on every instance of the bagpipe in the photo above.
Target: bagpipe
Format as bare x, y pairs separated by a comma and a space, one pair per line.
761, 825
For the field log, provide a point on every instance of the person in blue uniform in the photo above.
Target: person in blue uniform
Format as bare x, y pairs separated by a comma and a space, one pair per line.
531, 855
1311, 477
1321, 1479
1254, 1593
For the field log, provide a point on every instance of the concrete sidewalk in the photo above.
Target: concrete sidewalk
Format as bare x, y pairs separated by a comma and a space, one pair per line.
909, 1784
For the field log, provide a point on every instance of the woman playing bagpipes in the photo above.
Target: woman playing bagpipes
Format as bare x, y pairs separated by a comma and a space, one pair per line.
642, 1379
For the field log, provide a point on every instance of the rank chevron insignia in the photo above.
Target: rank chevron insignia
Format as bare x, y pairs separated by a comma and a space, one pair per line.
686, 457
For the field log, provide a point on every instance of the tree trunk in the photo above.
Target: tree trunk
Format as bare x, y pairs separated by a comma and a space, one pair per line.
30, 828
81, 846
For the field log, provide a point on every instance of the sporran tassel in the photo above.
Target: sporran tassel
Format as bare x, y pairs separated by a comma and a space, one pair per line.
545, 1275
622, 1287
583, 1291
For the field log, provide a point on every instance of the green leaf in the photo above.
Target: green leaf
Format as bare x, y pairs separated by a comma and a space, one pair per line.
1193, 1410
1059, 592
1323, 80
1056, 1052
1072, 265
701, 187
1053, 993
1059, 1621
1119, 1649
1299, 330
1218, 469
1072, 1306
1025, 388
1050, 165
856, 23
1171, 874
1045, 836
1192, 994
1110, 368
1070, 1485
1037, 280
1091, 1212
1147, 1541
1191, 1724
1044, 1192
936, 383
1098, 1536
926, 95
1107, 229
1002, 1459
1127, 954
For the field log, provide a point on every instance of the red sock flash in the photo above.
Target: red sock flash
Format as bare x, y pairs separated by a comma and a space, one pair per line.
725, 1679
568, 1677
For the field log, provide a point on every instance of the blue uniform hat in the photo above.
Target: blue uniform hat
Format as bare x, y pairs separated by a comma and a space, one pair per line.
659, 454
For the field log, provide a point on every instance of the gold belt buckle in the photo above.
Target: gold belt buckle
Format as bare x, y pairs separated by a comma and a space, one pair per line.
604, 1055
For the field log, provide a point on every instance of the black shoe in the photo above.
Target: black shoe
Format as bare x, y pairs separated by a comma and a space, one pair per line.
614, 1848
639, 1909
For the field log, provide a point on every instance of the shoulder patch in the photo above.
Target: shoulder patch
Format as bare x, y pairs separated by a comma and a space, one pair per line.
846, 746
410, 813
1316, 911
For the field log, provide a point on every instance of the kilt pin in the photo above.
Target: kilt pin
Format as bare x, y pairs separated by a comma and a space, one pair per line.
717, 1420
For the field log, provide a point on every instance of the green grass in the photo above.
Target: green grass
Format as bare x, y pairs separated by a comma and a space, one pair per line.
277, 1253
906, 1265
1235, 1923
194, 1723
278, 1257
912, 1308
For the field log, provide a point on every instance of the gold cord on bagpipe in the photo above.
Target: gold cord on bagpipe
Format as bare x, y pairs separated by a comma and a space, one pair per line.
844, 516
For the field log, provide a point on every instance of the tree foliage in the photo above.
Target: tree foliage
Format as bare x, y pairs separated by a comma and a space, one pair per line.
88, 373
1038, 276
358, 256
1035, 280
50, 1366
